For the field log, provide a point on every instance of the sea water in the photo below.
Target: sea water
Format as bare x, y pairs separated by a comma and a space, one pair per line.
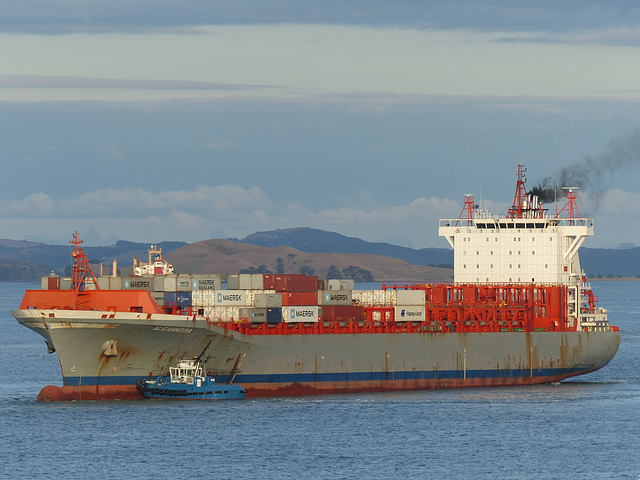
584, 428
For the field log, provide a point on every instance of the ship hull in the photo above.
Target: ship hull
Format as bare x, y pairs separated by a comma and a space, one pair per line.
103, 355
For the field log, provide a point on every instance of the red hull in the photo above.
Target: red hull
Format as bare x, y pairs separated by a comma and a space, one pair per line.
129, 392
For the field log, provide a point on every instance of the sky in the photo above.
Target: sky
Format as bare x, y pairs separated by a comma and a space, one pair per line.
152, 121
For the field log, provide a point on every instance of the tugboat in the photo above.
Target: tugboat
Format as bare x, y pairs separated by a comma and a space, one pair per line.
187, 380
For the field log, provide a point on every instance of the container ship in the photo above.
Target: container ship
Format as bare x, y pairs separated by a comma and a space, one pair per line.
518, 312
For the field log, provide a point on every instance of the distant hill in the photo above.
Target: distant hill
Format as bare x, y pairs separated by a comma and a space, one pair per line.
13, 271
57, 257
226, 256
612, 262
311, 240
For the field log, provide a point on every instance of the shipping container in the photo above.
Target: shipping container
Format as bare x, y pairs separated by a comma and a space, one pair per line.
183, 283
294, 282
274, 315
340, 284
158, 297
300, 313
230, 297
207, 281
410, 313
257, 281
410, 297
254, 315
170, 283
374, 297
268, 300
222, 313
103, 283
334, 297
138, 283
88, 284
65, 283
332, 284
244, 281
53, 283
347, 284
245, 314
115, 283
233, 281
158, 283
342, 313
183, 299
269, 281
169, 299
299, 298
203, 298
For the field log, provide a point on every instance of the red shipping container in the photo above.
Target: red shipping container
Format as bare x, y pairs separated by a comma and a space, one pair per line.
269, 281
294, 282
342, 313
53, 283
299, 298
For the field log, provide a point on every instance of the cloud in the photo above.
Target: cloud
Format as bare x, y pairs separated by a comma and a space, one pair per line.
222, 199
112, 153
36, 204
53, 81
618, 36
234, 211
189, 215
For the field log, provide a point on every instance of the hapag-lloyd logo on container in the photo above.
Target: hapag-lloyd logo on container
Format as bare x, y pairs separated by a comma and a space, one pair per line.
411, 313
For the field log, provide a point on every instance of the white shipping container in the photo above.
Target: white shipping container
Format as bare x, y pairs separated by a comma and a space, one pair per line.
410, 313
103, 283
411, 297
65, 283
303, 313
374, 297
333, 284
334, 297
230, 297
196, 298
245, 314
203, 298
222, 314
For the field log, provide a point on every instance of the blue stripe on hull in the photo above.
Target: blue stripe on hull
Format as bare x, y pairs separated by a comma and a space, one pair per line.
349, 377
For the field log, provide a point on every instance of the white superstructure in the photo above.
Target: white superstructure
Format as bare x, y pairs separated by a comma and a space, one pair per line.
527, 245
498, 249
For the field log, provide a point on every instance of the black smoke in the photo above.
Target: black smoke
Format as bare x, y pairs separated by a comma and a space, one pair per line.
595, 173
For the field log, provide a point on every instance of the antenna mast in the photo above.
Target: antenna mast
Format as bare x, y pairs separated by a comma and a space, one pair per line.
81, 267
